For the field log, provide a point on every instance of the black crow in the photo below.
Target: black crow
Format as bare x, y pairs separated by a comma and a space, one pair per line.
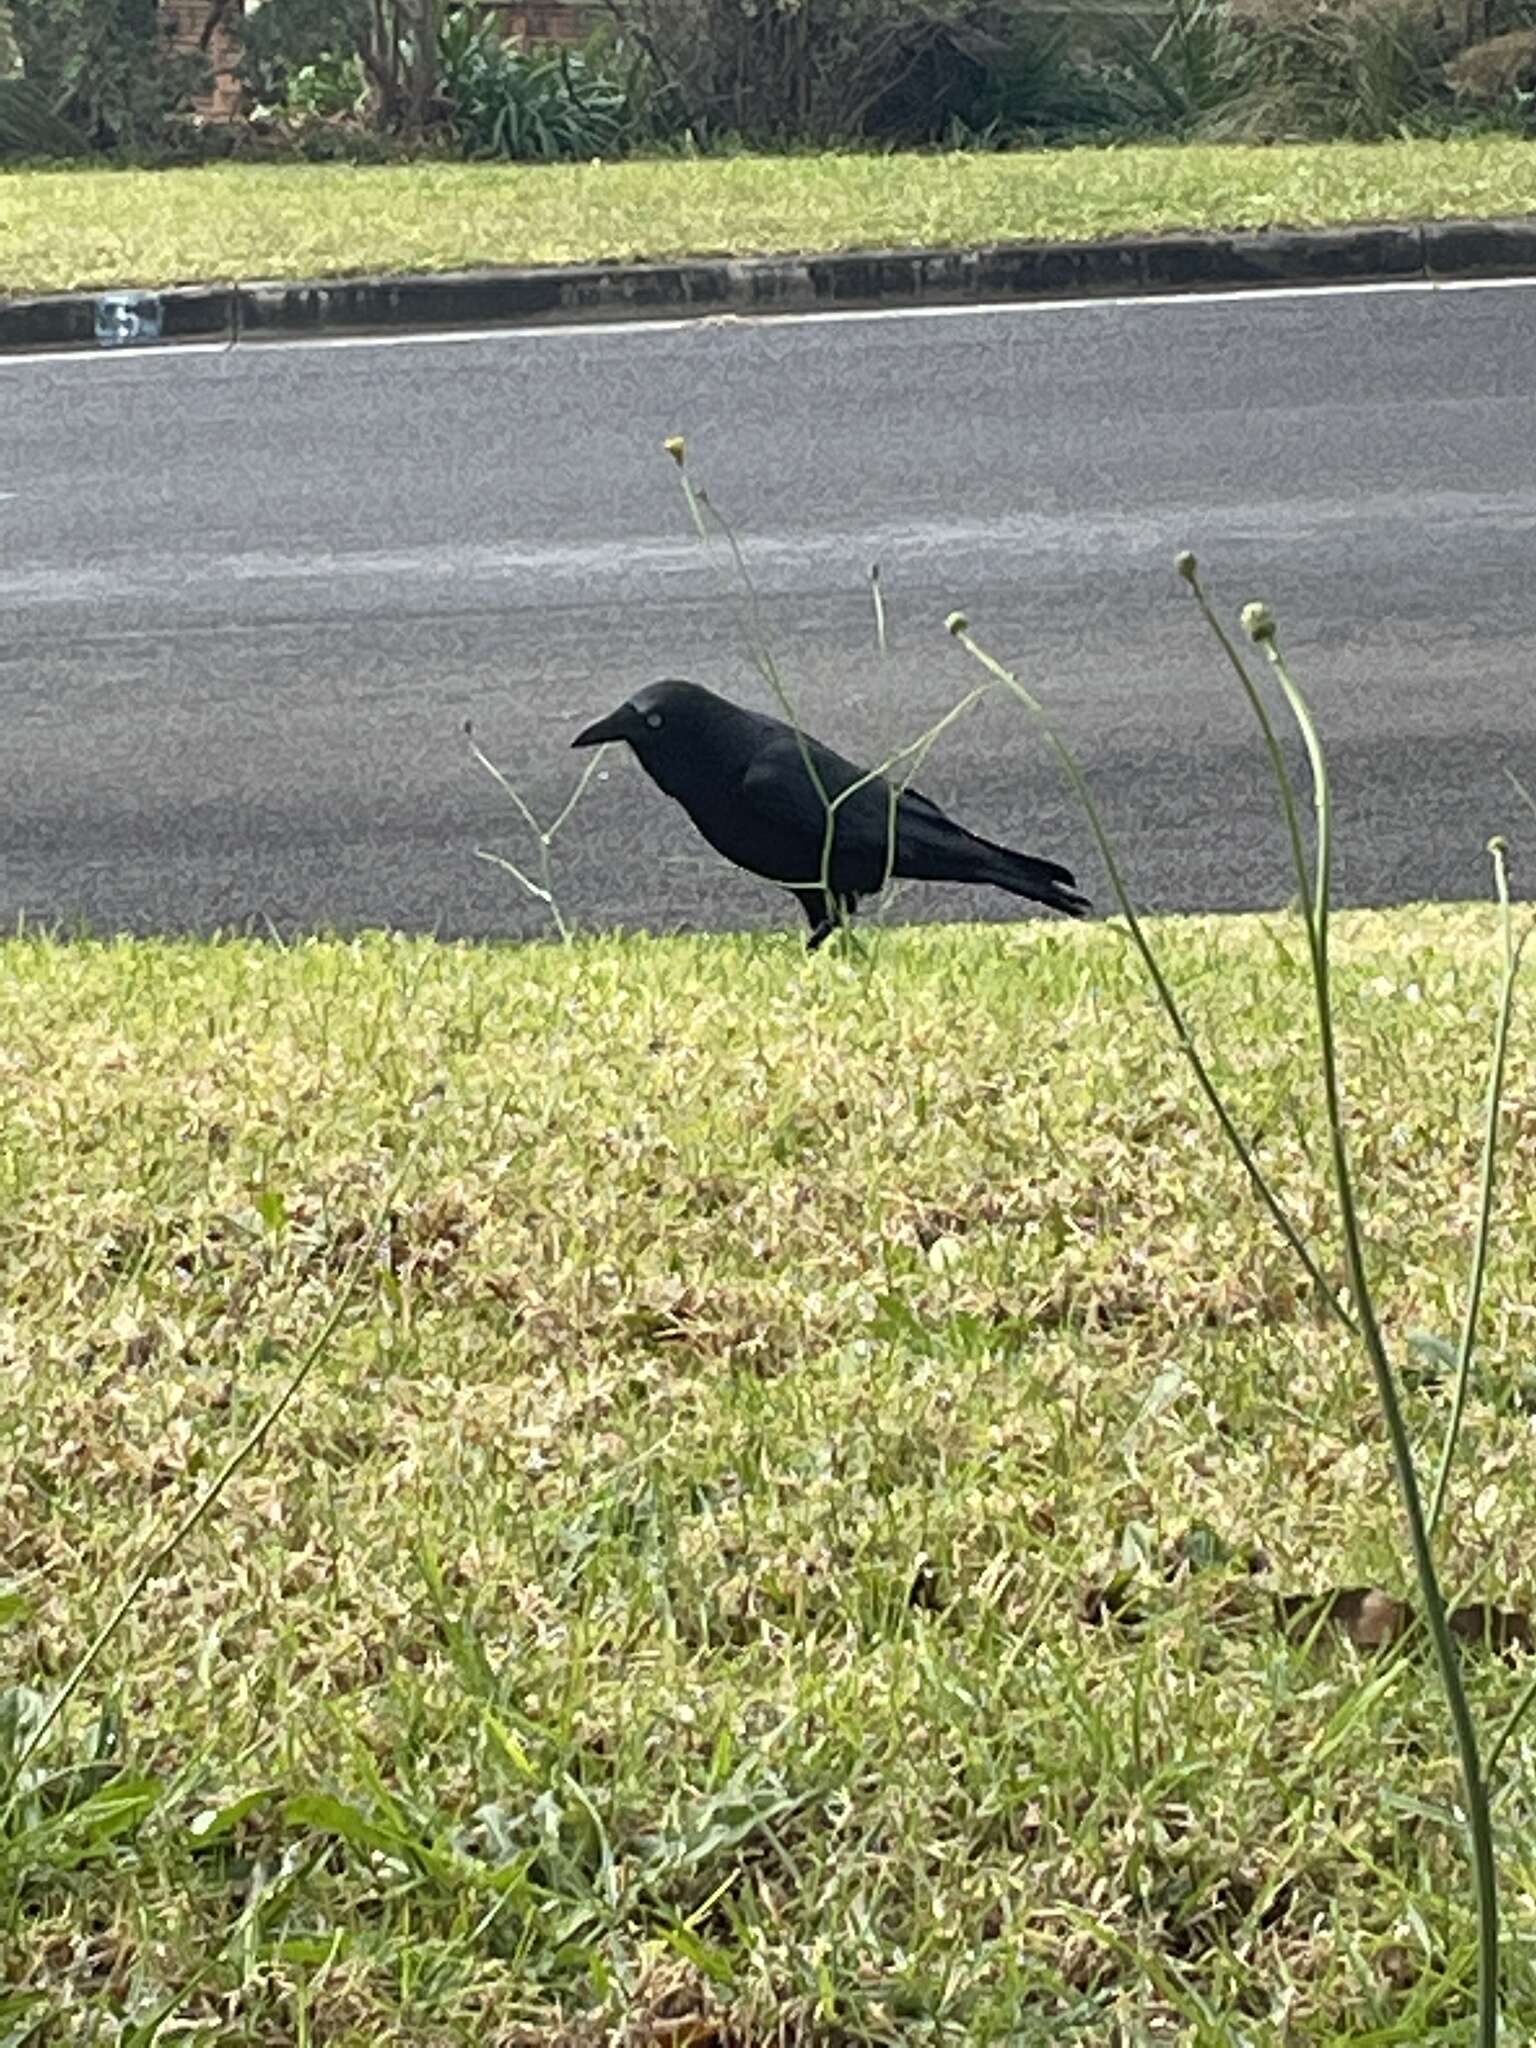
745, 781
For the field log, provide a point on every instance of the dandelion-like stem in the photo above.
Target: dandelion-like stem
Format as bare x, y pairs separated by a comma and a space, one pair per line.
1447, 1658
1315, 881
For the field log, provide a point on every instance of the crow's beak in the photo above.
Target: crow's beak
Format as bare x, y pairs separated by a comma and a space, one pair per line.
614, 727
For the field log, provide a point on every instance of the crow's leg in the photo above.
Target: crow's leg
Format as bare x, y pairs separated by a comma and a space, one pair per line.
817, 906
825, 914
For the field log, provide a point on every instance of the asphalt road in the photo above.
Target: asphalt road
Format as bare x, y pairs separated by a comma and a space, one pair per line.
248, 600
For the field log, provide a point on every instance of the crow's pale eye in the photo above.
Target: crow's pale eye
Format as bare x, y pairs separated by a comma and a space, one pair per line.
653, 720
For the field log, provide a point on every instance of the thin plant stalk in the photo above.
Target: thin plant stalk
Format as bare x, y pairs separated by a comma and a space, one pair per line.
1512, 953
877, 597
677, 447
1189, 569
700, 506
1260, 625
1316, 888
1512, 1720
768, 669
544, 835
960, 628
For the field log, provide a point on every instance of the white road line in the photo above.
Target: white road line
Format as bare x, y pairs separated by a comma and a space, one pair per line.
595, 330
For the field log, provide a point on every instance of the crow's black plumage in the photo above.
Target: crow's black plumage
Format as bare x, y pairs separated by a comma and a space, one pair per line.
743, 778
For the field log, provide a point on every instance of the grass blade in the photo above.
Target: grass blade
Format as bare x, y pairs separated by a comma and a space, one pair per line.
1512, 954
160, 1553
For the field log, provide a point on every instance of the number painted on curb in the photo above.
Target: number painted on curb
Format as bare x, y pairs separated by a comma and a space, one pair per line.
123, 318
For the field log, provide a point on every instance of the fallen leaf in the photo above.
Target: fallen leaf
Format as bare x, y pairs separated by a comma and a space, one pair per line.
1494, 1628
1370, 1618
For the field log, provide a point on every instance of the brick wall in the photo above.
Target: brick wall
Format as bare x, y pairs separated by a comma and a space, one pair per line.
184, 23
546, 21
526, 21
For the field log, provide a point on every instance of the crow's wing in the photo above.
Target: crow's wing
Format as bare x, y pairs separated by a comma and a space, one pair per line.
776, 780
925, 804
777, 786
778, 789
781, 818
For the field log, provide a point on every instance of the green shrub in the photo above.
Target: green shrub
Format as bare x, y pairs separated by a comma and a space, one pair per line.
29, 127
284, 39
1000, 76
1359, 70
1325, 70
103, 68
331, 86
896, 71
1186, 67
532, 105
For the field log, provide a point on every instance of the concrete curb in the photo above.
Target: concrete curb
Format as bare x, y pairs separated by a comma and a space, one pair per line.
999, 275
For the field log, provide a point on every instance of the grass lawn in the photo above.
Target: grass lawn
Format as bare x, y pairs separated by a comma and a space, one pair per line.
65, 229
682, 1605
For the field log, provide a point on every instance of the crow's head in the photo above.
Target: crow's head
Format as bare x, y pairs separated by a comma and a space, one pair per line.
675, 728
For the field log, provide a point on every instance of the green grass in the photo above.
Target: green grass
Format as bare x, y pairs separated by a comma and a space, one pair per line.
662, 1616
65, 229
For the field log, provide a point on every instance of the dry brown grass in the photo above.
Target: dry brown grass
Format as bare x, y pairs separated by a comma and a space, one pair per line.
769, 1555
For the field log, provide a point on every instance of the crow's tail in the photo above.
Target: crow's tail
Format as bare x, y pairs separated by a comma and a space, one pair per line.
1042, 881
945, 852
